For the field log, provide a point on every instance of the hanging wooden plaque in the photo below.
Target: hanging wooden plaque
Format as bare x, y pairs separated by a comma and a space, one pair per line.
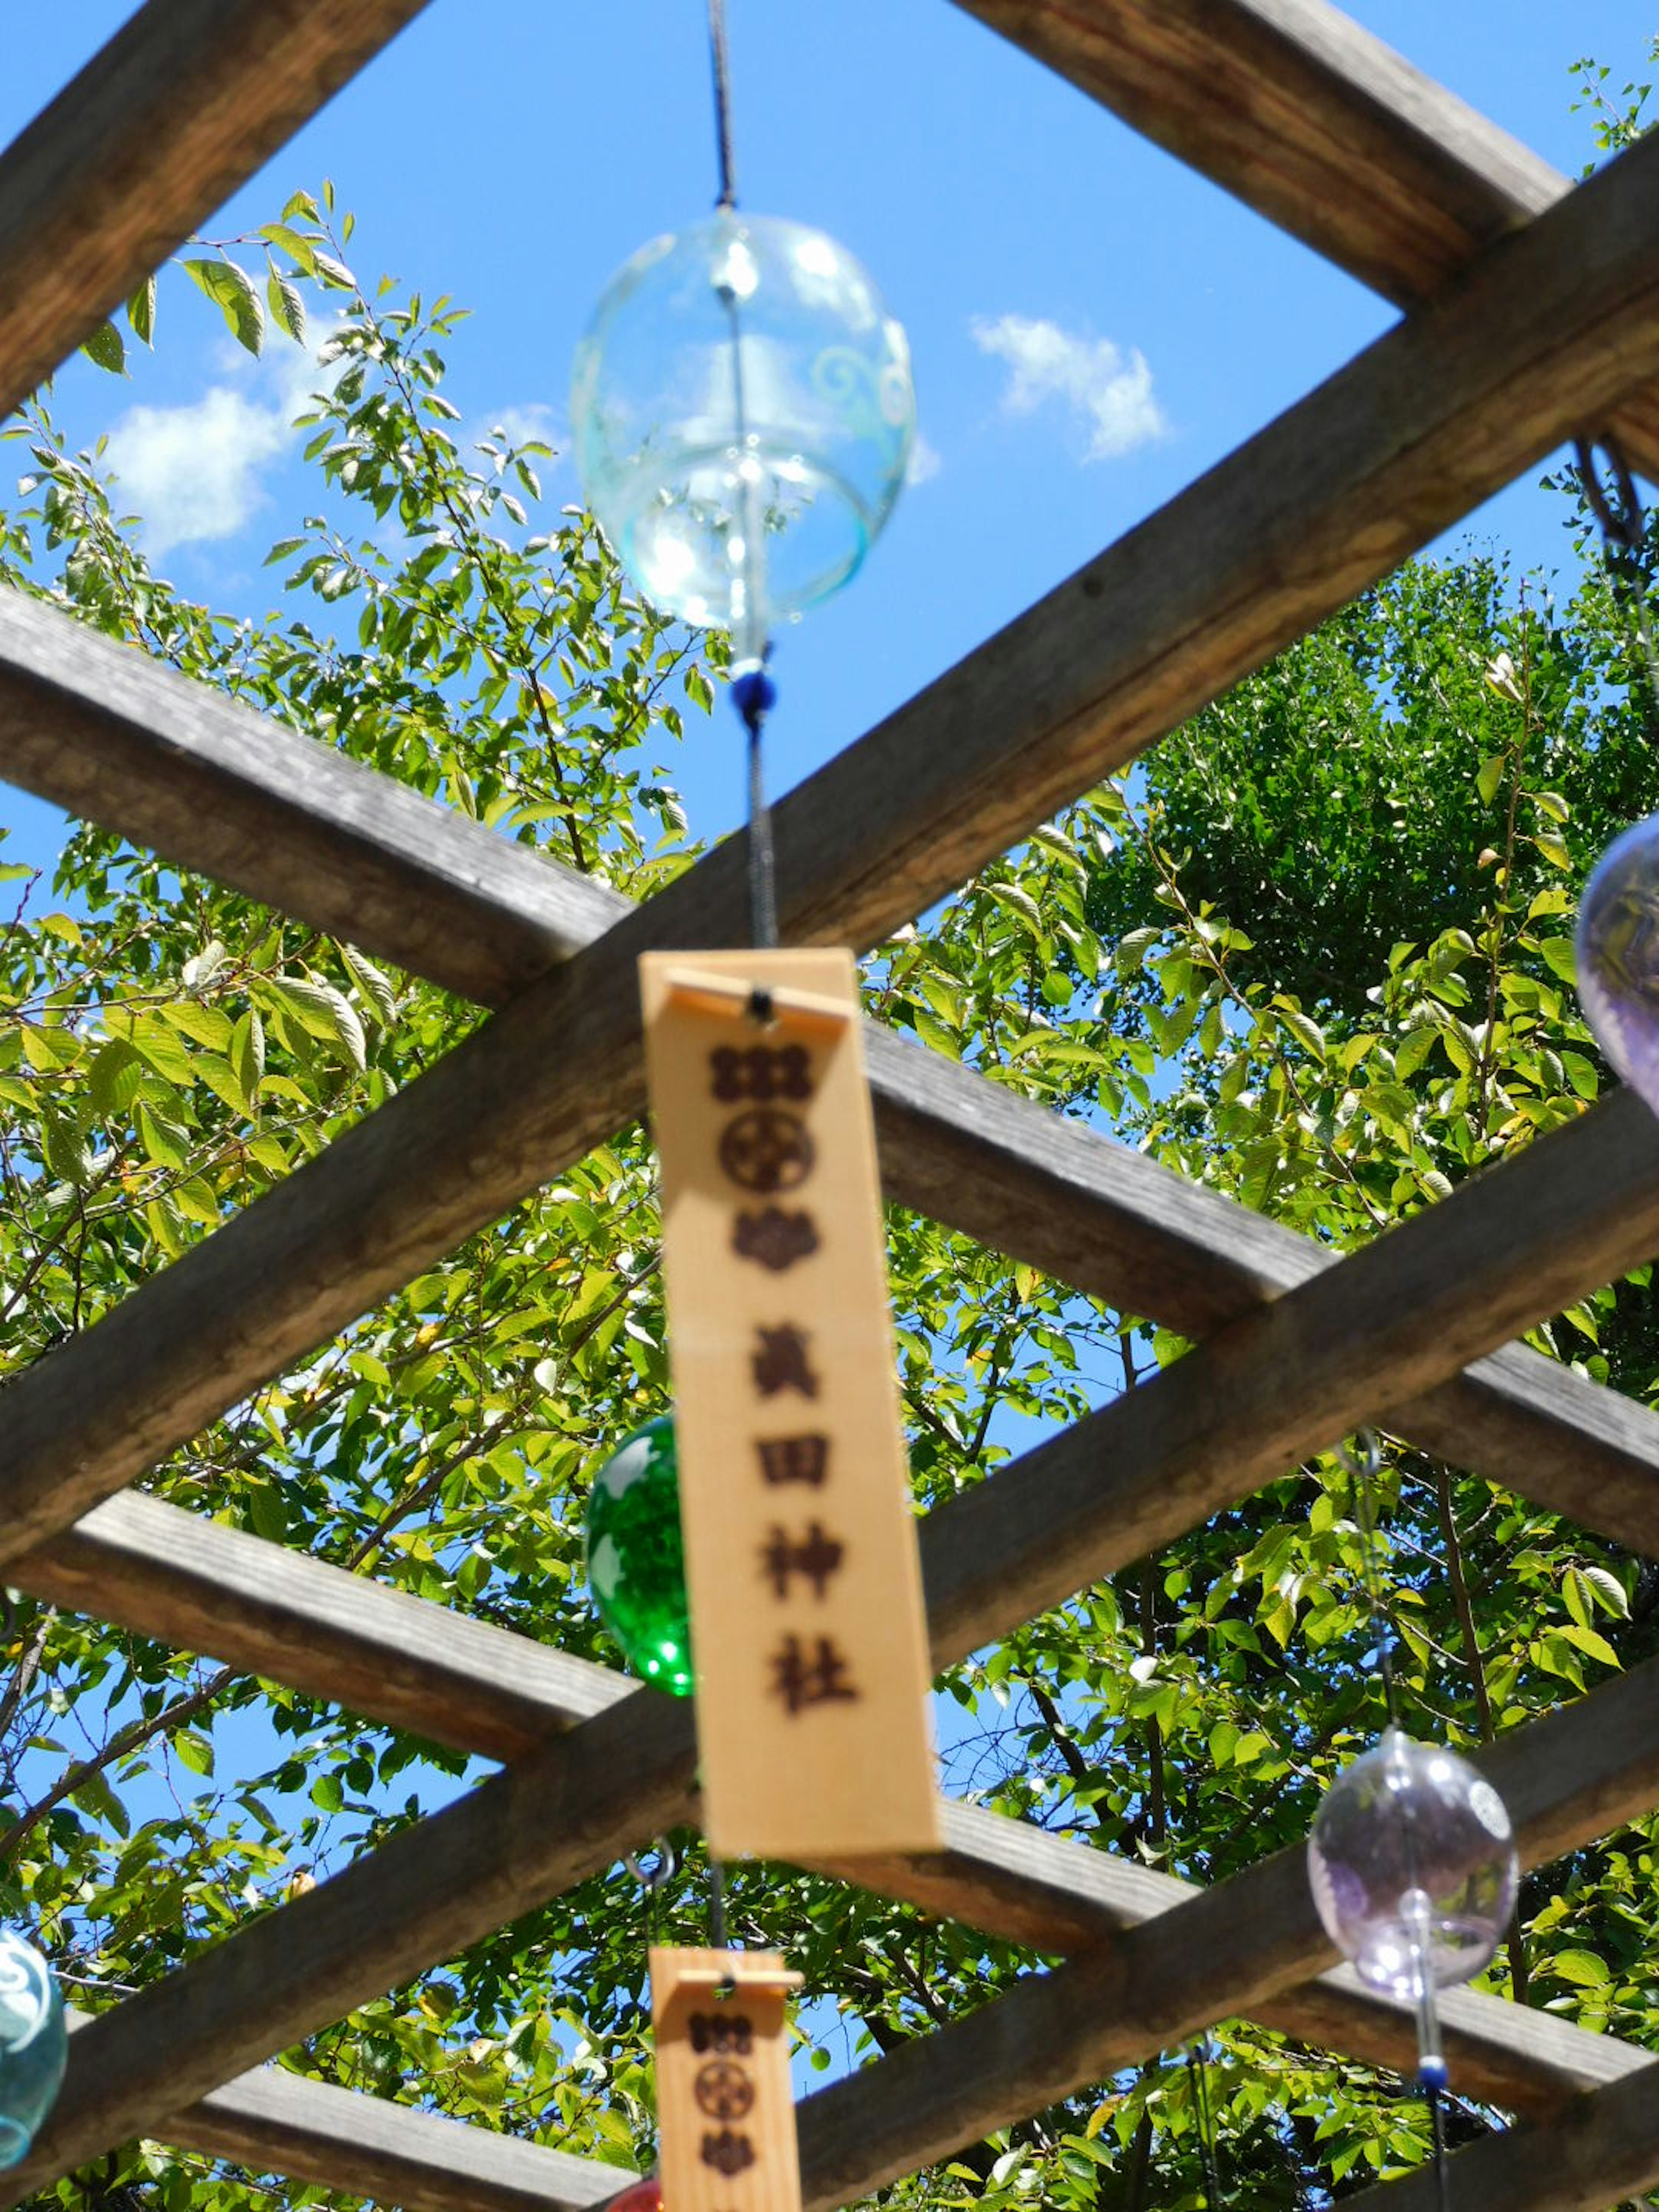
726, 2112
807, 1626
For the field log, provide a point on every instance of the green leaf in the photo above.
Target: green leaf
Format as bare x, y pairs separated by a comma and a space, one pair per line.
375, 988
1591, 1643
141, 312
1490, 776
1581, 1968
287, 309
195, 1750
106, 348
113, 1080
247, 1055
231, 289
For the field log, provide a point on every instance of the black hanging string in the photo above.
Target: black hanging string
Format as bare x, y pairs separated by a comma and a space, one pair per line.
716, 1905
652, 1878
1198, 2075
1619, 512
717, 54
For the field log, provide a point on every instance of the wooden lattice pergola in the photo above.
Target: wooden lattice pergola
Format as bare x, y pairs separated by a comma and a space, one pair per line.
1532, 314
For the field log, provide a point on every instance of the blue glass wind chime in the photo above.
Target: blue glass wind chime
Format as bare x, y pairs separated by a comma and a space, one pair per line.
743, 416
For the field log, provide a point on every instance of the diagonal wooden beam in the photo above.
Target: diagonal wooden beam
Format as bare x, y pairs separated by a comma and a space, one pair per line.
566, 1811
1385, 1325
1228, 1951
397, 1658
1111, 1222
183, 105
279, 2123
288, 1618
1553, 323
1593, 2154
1307, 118
1015, 1880
106, 732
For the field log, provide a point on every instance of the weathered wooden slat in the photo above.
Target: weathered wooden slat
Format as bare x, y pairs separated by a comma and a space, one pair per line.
159, 128
1595, 2154
479, 1689
1389, 1322
1108, 1220
1228, 1950
1015, 1880
276, 2122
106, 732
1312, 121
559, 1815
281, 1614
1552, 324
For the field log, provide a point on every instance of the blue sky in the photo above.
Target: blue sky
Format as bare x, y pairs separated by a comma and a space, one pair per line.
1036, 249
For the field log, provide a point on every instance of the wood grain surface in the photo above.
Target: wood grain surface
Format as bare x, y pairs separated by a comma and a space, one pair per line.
1310, 119
183, 105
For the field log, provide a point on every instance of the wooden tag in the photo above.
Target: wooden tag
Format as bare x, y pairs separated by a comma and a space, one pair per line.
807, 1626
725, 2107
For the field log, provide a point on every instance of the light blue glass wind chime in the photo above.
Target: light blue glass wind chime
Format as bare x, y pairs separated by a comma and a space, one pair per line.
33, 2044
743, 416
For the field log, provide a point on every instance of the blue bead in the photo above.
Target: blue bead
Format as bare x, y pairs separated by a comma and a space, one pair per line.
754, 693
1431, 2072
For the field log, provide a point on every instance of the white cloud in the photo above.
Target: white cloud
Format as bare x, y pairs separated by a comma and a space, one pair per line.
924, 464
522, 426
1109, 392
195, 472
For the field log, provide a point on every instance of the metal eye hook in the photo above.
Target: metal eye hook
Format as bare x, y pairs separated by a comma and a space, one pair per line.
1364, 1460
659, 1872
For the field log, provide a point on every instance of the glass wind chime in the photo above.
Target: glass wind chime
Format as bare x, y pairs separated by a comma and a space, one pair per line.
1411, 1859
743, 417
1618, 938
33, 2044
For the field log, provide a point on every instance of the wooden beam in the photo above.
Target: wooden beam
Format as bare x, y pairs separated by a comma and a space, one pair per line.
1228, 1950
273, 2122
1552, 324
1593, 2154
1385, 1325
183, 105
1010, 1879
404, 1660
290, 1618
1306, 117
1111, 1222
564, 1812
105, 732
